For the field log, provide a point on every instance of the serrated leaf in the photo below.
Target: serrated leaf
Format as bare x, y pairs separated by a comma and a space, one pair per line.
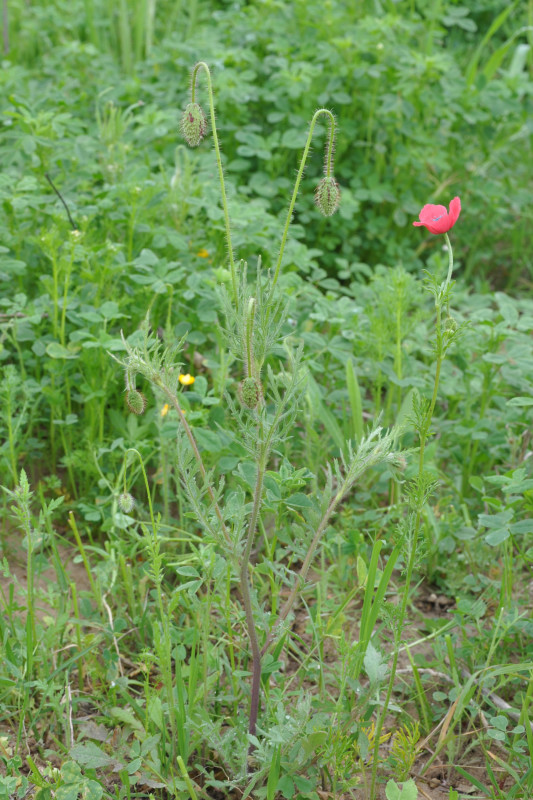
375, 666
299, 500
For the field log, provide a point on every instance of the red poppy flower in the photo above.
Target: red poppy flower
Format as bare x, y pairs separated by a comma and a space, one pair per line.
436, 218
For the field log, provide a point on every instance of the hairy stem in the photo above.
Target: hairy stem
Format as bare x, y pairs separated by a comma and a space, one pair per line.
328, 167
304, 569
249, 364
203, 65
450, 270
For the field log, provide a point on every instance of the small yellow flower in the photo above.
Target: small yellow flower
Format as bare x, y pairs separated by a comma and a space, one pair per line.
164, 410
202, 253
186, 380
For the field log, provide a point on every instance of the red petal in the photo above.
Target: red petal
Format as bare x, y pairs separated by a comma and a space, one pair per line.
430, 212
455, 210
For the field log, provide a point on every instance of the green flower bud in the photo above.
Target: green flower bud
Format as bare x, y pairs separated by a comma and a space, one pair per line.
136, 401
250, 392
193, 124
126, 502
450, 325
328, 196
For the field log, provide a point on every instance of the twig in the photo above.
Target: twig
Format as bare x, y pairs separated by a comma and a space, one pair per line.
49, 179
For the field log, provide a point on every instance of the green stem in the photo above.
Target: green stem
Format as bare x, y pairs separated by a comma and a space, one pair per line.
328, 168
416, 532
450, 270
202, 64
247, 602
65, 295
249, 364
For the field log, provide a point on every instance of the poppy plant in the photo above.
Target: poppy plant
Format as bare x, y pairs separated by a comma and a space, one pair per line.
437, 219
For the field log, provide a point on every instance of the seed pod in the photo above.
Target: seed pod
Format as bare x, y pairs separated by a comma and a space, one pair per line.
193, 124
328, 196
136, 401
126, 502
250, 392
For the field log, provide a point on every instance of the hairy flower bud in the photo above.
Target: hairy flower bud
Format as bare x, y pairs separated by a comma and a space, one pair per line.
126, 502
250, 392
136, 401
328, 196
193, 124
450, 325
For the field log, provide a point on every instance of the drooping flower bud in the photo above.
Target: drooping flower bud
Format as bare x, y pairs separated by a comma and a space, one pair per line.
126, 502
136, 401
328, 196
193, 124
250, 392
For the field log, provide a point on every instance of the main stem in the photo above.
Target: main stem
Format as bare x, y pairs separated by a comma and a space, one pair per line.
202, 64
328, 168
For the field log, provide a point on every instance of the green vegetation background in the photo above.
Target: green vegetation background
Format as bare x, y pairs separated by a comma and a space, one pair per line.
433, 99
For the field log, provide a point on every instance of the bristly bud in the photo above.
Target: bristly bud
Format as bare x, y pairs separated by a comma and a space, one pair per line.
193, 124
136, 401
250, 392
450, 325
328, 196
126, 502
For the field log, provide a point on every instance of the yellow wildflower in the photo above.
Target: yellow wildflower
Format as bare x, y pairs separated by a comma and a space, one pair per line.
186, 380
202, 253
164, 410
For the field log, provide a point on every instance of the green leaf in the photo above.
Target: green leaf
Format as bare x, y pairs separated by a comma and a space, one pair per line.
497, 537
208, 440
407, 792
69, 791
92, 791
496, 520
286, 787
273, 774
471, 70
56, 350
356, 404
91, 756
520, 401
299, 500
375, 666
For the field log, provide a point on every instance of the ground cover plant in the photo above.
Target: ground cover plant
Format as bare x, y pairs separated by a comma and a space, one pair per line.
265, 438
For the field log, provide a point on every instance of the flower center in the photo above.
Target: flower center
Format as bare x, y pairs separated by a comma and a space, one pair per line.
436, 219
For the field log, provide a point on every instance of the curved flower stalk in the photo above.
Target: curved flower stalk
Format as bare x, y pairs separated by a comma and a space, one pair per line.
194, 127
327, 192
